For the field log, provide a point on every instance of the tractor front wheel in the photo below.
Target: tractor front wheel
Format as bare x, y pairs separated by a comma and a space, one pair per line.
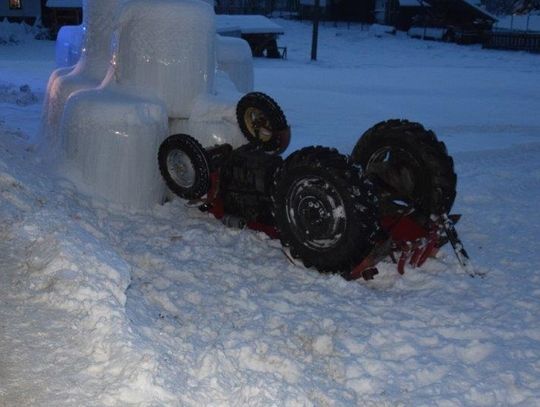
263, 122
185, 167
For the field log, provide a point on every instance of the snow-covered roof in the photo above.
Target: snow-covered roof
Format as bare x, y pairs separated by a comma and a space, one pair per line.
412, 3
64, 3
248, 24
476, 4
312, 3
457, 6
519, 23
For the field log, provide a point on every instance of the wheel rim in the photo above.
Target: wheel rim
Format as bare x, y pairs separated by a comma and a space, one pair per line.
258, 124
399, 174
316, 213
181, 168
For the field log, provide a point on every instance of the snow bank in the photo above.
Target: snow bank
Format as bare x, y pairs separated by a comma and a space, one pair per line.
15, 33
380, 30
19, 95
71, 289
86, 290
432, 33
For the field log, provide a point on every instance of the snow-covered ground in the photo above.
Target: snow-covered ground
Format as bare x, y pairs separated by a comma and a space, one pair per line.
104, 307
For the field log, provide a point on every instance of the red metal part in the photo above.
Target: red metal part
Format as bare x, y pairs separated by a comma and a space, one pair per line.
284, 138
216, 204
364, 269
403, 228
409, 242
415, 242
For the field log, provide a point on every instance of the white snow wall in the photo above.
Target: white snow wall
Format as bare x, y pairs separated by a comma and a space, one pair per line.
98, 24
167, 49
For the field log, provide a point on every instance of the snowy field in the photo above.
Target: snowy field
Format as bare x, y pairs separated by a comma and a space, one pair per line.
104, 307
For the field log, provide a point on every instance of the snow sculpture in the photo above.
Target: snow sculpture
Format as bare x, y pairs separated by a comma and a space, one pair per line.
234, 56
69, 45
167, 48
161, 81
98, 20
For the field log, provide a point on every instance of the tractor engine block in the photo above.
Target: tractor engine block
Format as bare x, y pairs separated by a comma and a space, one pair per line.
246, 182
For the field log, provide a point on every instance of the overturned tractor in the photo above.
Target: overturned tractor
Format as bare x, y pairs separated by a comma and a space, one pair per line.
107, 117
337, 213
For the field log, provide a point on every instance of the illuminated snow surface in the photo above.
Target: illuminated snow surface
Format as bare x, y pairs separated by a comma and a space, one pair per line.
100, 306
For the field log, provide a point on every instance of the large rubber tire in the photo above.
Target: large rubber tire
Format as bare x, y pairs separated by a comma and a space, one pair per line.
263, 122
409, 166
325, 213
184, 165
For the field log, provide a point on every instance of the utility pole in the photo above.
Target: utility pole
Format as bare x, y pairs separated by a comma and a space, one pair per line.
315, 38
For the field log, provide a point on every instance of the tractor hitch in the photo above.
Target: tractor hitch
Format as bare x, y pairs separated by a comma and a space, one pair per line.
412, 241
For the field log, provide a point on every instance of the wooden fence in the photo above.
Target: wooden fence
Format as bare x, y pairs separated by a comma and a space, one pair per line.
513, 40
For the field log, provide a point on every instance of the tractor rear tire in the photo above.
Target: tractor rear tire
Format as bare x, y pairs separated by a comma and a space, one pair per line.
325, 213
185, 167
410, 167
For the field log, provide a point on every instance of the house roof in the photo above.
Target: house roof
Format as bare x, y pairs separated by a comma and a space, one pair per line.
462, 7
476, 4
413, 3
312, 3
247, 24
64, 3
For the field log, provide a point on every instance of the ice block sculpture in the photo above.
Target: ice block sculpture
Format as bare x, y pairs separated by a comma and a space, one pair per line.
164, 62
69, 46
234, 56
148, 69
98, 23
167, 49
235, 59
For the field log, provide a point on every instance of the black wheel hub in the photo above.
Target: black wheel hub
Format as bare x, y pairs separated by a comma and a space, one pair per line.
181, 168
316, 213
398, 173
